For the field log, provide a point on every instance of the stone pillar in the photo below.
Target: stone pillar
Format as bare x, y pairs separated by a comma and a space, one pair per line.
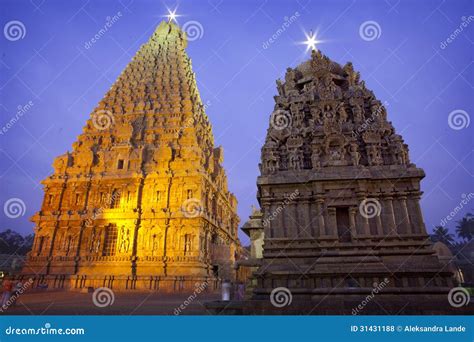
320, 212
286, 219
294, 229
378, 222
332, 224
389, 217
416, 214
306, 228
352, 220
361, 196
313, 219
269, 225
405, 215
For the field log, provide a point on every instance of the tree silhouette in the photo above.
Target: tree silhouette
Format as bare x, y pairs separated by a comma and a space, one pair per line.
443, 235
465, 227
13, 243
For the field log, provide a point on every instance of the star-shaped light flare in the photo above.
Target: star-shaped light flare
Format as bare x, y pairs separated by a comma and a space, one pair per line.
172, 15
311, 41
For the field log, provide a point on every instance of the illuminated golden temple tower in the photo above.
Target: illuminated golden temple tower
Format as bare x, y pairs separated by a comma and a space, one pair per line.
141, 202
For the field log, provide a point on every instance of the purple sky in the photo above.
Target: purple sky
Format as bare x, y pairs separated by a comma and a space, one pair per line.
406, 64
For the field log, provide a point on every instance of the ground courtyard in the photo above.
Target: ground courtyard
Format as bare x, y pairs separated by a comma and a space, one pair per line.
124, 303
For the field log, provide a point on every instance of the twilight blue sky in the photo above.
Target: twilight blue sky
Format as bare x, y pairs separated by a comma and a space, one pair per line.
405, 65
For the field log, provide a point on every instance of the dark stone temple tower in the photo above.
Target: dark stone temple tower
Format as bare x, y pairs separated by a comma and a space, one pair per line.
340, 197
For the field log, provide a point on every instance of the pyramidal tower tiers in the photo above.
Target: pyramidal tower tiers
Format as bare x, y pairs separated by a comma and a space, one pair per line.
142, 201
